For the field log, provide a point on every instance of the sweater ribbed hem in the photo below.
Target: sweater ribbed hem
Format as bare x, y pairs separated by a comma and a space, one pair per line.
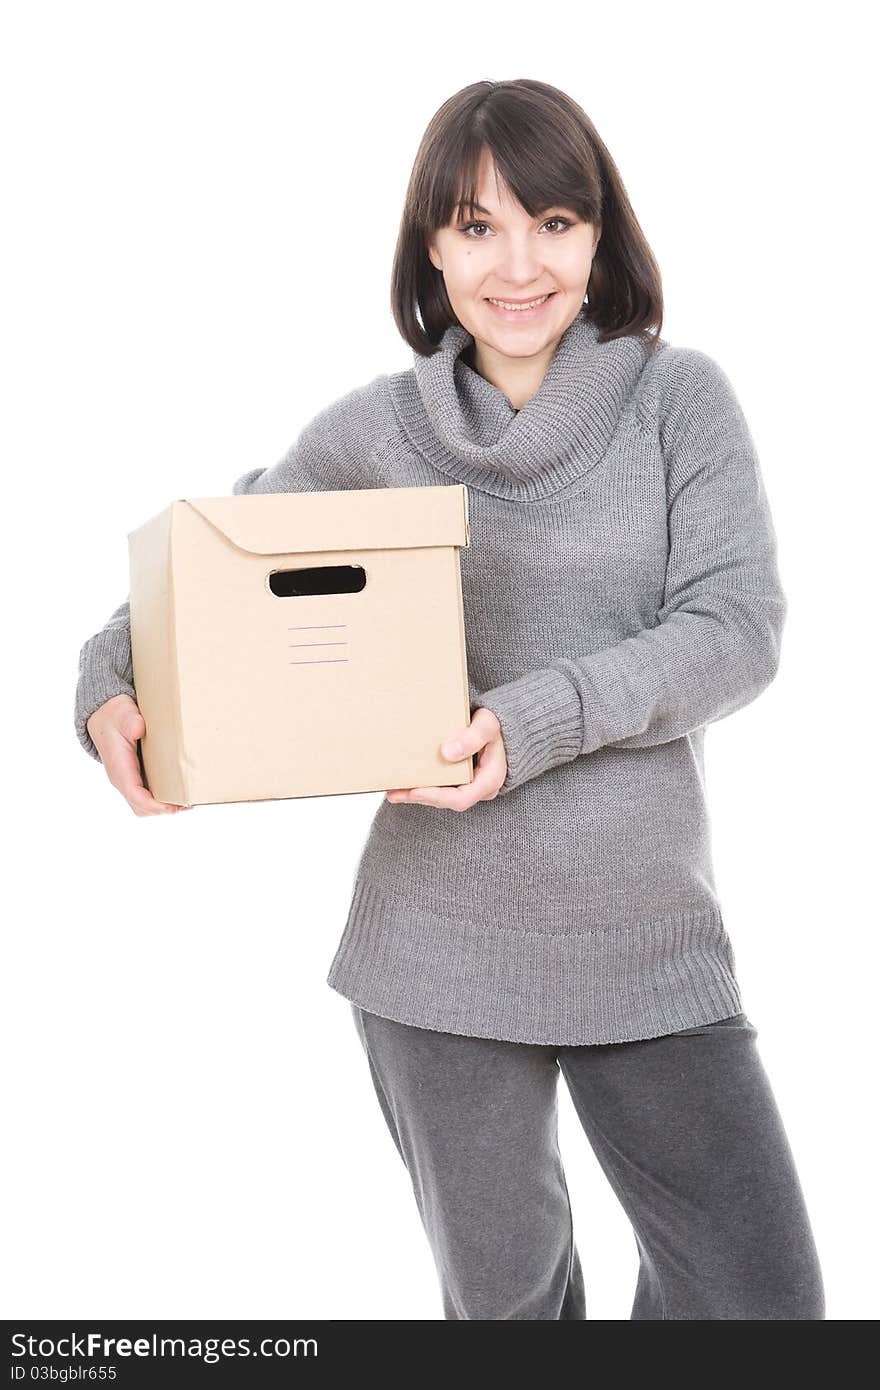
572, 988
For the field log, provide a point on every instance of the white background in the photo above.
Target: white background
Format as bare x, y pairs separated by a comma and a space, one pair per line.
201, 206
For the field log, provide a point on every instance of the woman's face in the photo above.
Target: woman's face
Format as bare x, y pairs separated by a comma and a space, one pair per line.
508, 255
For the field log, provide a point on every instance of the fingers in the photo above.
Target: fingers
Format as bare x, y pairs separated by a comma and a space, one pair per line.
489, 775
143, 803
449, 798
124, 770
483, 738
484, 727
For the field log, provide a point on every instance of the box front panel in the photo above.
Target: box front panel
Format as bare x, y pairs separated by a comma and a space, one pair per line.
315, 674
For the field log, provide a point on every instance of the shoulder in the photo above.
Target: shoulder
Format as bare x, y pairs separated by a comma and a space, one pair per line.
683, 389
675, 379
337, 449
362, 416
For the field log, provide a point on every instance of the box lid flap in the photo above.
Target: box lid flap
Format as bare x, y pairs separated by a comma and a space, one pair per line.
384, 518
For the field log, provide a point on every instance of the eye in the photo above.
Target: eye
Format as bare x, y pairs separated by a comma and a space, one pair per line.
565, 221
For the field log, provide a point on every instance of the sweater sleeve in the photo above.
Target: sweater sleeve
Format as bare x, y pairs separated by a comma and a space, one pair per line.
104, 671
333, 451
716, 643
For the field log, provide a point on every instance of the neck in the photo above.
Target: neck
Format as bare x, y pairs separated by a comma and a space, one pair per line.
517, 378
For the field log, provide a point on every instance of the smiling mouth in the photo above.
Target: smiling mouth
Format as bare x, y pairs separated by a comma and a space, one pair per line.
520, 306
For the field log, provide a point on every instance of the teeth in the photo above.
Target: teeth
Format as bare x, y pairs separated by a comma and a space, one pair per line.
516, 307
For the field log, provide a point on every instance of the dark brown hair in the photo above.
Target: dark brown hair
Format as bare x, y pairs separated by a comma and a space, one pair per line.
547, 150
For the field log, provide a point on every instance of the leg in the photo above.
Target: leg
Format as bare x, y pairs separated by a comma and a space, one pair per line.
474, 1120
687, 1130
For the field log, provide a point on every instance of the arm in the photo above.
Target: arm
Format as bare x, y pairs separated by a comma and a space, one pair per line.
717, 640
104, 671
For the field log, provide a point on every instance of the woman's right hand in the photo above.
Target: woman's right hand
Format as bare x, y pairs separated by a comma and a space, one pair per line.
115, 728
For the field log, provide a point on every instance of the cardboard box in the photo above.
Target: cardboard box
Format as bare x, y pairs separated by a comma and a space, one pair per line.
300, 644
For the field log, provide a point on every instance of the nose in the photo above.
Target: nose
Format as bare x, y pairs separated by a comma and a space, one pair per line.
520, 263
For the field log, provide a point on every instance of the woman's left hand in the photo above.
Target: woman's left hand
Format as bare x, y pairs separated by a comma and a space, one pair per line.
483, 733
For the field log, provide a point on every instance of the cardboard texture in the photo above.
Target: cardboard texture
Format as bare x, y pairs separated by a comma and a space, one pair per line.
300, 644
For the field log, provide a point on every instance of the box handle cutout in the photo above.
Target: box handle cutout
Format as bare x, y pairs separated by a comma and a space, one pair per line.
317, 579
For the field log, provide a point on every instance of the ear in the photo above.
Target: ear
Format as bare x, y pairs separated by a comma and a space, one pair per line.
434, 257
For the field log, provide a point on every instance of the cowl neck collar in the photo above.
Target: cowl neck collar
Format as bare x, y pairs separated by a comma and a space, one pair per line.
468, 428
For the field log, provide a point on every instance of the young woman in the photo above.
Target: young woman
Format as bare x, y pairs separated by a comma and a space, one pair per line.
620, 592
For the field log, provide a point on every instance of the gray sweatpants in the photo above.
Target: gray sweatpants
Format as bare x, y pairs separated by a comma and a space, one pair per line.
685, 1127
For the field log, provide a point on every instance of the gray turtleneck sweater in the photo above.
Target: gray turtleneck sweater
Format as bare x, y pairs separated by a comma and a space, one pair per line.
620, 593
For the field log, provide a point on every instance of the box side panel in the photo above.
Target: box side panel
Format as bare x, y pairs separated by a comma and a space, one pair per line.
463, 666
153, 657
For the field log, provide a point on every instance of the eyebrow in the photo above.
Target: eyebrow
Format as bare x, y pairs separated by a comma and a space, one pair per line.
478, 207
